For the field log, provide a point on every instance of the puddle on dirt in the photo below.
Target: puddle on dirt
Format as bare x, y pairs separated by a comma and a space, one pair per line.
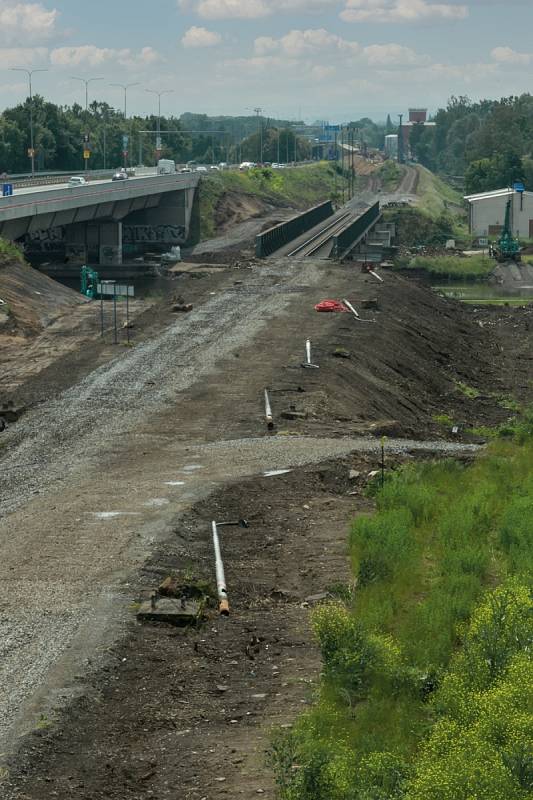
191, 468
156, 502
273, 472
113, 514
485, 293
175, 483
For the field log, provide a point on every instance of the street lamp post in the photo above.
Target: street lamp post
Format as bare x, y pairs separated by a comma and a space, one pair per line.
86, 81
159, 95
29, 73
259, 111
125, 87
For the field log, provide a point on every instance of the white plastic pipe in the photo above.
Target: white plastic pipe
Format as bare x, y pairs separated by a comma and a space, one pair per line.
223, 603
375, 274
268, 411
354, 312
352, 309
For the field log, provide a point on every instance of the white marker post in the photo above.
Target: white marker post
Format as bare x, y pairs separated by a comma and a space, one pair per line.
308, 364
268, 412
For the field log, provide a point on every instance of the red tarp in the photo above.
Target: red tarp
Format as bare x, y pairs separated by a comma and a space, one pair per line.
330, 305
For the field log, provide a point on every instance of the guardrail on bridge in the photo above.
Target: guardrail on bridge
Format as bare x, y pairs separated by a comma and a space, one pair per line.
354, 232
271, 240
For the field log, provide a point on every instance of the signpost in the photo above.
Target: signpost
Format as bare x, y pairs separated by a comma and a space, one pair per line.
107, 289
115, 290
86, 149
125, 144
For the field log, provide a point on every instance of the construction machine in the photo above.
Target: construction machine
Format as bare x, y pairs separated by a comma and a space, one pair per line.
508, 247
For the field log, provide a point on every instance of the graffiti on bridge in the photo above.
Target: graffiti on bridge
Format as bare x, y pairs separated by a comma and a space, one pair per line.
47, 241
153, 234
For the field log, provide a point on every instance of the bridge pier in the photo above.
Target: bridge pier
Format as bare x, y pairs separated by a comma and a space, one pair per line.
161, 226
110, 240
94, 243
76, 250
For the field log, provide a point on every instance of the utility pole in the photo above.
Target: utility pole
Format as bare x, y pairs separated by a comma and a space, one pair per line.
125, 148
125, 88
158, 139
86, 138
259, 111
401, 158
29, 73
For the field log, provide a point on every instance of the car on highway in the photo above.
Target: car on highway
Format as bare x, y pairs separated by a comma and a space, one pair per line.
77, 180
201, 169
214, 168
120, 175
185, 169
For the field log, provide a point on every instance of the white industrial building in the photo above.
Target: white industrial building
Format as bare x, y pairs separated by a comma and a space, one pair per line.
487, 213
391, 145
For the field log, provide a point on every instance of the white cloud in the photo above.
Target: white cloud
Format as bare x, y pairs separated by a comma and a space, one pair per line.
200, 37
92, 56
299, 43
393, 55
27, 22
400, 11
321, 72
506, 55
316, 42
22, 56
251, 9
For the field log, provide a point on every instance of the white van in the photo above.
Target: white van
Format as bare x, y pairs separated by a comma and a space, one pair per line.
166, 167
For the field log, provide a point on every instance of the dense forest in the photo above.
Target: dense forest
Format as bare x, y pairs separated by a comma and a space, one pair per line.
489, 142
60, 133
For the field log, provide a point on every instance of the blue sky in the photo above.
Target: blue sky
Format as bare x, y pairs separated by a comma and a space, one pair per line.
332, 59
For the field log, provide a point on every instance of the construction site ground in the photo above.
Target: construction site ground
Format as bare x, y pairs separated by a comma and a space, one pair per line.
124, 455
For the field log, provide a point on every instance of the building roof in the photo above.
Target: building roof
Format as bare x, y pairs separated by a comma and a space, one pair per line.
473, 198
411, 123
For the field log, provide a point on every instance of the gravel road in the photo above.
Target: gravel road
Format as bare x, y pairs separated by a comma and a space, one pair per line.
70, 433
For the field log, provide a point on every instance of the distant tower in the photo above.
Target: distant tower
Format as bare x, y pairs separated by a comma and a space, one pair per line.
401, 158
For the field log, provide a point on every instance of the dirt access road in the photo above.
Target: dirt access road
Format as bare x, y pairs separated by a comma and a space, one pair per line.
112, 484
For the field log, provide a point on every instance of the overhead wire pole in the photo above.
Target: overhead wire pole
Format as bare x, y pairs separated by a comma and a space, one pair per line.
29, 73
159, 95
259, 111
86, 81
400, 141
125, 87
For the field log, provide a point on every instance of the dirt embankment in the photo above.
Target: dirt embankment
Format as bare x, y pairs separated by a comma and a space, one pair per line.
168, 713
34, 301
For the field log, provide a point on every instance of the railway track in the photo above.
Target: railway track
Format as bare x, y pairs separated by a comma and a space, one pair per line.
320, 239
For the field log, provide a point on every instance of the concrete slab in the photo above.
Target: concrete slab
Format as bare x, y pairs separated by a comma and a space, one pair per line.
171, 610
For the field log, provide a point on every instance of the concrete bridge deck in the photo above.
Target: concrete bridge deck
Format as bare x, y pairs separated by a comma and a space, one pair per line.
90, 217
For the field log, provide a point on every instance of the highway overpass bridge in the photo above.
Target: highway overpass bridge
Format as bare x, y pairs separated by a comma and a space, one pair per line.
102, 222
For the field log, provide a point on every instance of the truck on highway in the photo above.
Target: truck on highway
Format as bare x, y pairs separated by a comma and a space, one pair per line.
166, 167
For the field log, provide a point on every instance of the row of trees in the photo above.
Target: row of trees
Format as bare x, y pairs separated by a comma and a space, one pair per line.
60, 133
488, 142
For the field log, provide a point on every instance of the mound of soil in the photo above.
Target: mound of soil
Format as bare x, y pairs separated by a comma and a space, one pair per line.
34, 300
235, 207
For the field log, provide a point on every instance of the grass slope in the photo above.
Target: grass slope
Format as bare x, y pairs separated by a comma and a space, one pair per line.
436, 196
426, 663
454, 267
300, 187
